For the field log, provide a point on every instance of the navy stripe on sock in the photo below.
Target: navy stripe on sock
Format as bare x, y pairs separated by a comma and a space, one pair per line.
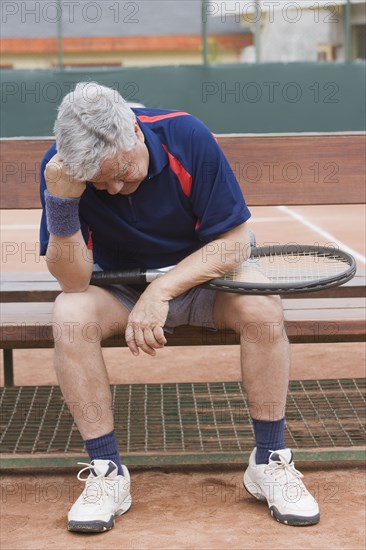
104, 448
269, 436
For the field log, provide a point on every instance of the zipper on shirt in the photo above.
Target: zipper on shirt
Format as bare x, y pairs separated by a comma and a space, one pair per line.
132, 209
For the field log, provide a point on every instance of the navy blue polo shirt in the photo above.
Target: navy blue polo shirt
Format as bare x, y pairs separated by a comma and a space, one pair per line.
188, 198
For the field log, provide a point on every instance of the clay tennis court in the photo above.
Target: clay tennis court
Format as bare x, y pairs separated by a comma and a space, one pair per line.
194, 507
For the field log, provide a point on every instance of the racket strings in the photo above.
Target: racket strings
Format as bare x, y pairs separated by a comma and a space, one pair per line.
288, 267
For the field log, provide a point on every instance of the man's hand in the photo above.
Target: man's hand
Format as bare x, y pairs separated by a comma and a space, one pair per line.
145, 323
59, 182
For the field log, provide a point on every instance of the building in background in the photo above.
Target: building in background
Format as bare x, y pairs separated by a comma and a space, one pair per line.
304, 30
49, 33
115, 33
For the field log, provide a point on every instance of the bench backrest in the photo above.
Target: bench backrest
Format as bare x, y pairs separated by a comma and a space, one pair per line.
281, 169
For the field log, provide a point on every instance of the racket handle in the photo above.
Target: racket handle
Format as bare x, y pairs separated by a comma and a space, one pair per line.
131, 276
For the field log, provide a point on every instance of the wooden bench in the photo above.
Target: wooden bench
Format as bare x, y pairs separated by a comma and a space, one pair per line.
273, 170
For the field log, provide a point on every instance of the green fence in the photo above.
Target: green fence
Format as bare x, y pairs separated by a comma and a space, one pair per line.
295, 97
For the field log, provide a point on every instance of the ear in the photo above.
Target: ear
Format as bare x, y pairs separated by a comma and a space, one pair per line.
139, 134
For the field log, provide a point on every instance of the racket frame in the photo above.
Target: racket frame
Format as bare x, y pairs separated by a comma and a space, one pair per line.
221, 283
142, 277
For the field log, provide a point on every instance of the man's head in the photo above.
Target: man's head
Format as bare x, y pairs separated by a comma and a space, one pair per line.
99, 139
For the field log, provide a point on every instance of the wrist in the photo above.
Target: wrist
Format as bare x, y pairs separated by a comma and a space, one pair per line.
62, 215
160, 290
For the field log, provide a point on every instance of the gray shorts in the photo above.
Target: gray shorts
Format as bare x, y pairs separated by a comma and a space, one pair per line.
194, 307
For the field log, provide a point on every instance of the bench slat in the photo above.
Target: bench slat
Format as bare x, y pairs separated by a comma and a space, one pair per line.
30, 325
310, 332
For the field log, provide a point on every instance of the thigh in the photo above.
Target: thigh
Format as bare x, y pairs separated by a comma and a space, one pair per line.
194, 308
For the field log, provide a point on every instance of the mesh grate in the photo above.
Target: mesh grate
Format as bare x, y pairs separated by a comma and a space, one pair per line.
199, 419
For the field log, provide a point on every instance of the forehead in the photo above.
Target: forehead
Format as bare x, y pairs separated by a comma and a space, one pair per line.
112, 167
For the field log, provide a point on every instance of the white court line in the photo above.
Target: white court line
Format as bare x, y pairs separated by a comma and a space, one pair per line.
268, 219
9, 227
328, 236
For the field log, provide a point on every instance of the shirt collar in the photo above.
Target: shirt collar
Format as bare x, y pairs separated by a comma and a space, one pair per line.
158, 158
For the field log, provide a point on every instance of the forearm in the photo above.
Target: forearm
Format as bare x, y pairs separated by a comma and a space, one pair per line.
212, 260
69, 260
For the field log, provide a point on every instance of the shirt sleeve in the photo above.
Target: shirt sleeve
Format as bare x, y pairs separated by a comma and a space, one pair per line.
216, 196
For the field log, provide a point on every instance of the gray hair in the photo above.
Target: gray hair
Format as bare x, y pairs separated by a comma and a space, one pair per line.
93, 123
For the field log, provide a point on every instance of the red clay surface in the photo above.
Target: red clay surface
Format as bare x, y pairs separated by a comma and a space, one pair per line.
189, 508
202, 509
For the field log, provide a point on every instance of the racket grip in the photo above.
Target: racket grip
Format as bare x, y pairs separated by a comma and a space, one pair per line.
130, 276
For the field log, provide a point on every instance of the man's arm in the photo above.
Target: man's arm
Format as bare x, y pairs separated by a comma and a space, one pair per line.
147, 319
212, 260
67, 257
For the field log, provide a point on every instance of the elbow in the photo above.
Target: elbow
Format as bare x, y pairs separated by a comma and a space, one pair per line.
71, 280
73, 285
235, 254
70, 284
69, 289
235, 246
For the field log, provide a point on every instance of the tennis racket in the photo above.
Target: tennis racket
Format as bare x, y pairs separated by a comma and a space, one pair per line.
274, 269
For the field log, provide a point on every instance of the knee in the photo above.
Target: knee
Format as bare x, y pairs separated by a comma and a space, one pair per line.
74, 306
260, 319
74, 315
260, 309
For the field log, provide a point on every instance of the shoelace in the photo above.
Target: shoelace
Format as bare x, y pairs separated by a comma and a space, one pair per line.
87, 467
104, 483
282, 467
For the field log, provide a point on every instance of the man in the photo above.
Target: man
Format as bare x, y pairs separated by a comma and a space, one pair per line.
151, 188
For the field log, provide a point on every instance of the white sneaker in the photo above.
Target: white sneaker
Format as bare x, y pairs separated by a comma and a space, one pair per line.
279, 483
105, 496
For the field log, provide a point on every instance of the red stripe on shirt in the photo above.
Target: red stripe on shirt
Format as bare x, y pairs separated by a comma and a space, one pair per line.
90, 240
185, 178
145, 118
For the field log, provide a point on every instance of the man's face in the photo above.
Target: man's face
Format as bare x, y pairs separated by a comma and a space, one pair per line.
124, 173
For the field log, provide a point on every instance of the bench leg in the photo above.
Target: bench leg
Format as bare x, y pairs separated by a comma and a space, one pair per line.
8, 368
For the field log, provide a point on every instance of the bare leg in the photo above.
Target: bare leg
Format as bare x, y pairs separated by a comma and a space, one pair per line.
265, 353
81, 321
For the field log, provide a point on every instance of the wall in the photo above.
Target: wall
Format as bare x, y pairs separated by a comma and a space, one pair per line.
295, 97
126, 59
288, 41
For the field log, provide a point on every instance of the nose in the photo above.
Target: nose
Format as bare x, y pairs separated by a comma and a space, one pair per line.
115, 188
